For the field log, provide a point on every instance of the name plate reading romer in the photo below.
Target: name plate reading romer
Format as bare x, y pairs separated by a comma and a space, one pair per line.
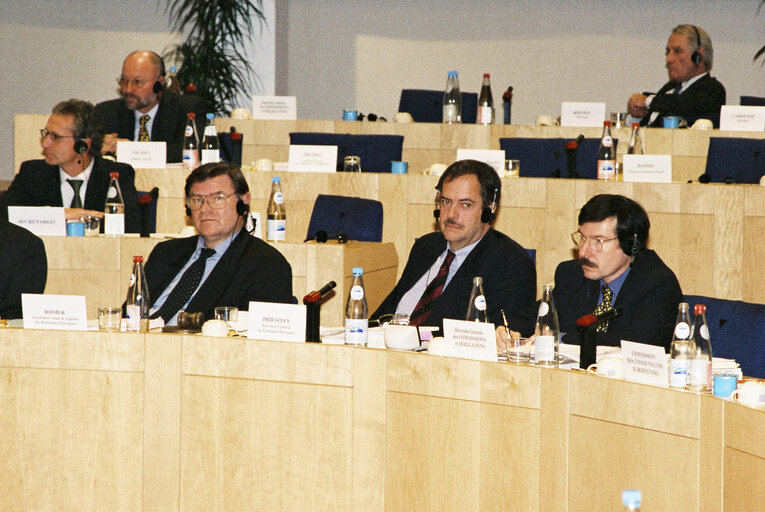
276, 322
57, 312
469, 340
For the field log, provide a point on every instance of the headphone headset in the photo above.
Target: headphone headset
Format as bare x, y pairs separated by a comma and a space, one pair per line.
158, 87
80, 146
487, 214
696, 56
630, 245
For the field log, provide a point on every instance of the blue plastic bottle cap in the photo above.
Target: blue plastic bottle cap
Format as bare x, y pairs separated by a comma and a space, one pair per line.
276, 179
452, 73
631, 497
210, 115
357, 271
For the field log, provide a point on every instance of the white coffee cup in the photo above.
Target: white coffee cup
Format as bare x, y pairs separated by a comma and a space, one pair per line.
702, 124
751, 392
215, 328
403, 117
611, 367
401, 337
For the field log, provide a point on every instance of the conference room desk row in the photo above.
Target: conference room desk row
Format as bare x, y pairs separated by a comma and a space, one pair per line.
126, 422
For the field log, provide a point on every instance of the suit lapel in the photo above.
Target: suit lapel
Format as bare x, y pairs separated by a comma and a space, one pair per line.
51, 185
95, 194
219, 279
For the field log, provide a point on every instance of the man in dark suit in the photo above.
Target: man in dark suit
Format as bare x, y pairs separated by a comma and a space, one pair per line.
691, 92
147, 111
232, 267
23, 268
72, 174
465, 247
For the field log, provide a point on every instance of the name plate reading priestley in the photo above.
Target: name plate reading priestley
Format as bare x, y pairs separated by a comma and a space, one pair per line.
40, 220
493, 157
574, 113
274, 107
276, 322
469, 340
57, 312
648, 168
744, 119
313, 158
646, 364
142, 155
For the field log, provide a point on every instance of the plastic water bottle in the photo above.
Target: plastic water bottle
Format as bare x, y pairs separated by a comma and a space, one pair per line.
477, 307
114, 209
631, 499
452, 99
173, 84
276, 223
485, 114
546, 330
606, 154
636, 144
190, 144
357, 311
700, 364
138, 301
679, 352
210, 145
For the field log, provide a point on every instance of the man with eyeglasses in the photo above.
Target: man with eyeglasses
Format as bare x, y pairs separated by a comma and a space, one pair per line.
72, 174
224, 265
147, 111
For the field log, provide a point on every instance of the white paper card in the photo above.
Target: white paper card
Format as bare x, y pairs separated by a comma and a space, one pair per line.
142, 155
573, 113
274, 107
469, 340
646, 364
746, 119
313, 158
277, 322
40, 220
57, 312
648, 168
492, 157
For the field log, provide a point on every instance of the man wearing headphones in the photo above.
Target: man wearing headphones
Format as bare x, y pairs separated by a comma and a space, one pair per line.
224, 265
438, 277
147, 111
73, 174
691, 92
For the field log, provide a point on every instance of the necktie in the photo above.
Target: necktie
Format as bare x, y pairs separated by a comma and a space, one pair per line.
605, 305
677, 89
76, 200
143, 133
431, 293
185, 287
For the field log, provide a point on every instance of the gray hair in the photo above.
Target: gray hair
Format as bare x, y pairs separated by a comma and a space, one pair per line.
694, 35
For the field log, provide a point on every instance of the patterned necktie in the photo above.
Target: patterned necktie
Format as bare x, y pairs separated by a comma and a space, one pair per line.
76, 200
431, 293
604, 306
185, 287
143, 133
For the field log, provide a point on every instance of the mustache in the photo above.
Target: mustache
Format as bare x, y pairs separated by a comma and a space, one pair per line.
586, 263
453, 222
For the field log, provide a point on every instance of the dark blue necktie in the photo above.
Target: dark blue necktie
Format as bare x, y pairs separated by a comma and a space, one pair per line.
185, 287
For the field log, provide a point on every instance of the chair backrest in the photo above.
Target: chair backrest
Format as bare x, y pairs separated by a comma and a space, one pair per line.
376, 151
360, 219
147, 204
736, 330
753, 101
735, 160
231, 147
426, 106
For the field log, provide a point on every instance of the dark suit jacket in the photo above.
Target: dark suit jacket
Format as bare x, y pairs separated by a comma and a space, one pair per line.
509, 281
23, 267
249, 270
648, 298
39, 184
702, 99
169, 124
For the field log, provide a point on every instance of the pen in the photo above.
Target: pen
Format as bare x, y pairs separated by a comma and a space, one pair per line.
504, 321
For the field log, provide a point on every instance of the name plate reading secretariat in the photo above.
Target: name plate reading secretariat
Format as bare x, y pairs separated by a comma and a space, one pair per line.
645, 364
469, 340
574, 113
57, 312
40, 220
142, 155
313, 158
648, 168
276, 322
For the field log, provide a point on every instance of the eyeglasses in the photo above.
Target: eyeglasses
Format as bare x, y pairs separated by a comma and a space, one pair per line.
596, 243
135, 82
443, 202
217, 201
45, 133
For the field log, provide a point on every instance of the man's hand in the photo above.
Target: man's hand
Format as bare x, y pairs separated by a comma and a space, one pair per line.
636, 105
110, 143
500, 333
80, 213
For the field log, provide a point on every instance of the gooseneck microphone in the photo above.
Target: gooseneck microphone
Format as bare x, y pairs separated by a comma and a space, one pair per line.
588, 344
312, 303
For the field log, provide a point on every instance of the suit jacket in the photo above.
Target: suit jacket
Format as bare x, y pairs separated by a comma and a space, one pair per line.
39, 184
249, 270
169, 124
509, 281
23, 267
648, 298
702, 99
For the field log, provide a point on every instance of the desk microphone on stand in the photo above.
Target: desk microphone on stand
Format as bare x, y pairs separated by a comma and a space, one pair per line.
586, 326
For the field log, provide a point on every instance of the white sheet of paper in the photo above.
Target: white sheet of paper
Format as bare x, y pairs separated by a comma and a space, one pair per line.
40, 220
742, 118
574, 113
646, 364
274, 107
57, 312
277, 322
469, 340
313, 158
492, 157
142, 155
648, 168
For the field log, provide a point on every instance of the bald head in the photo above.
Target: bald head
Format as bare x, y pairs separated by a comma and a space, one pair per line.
140, 71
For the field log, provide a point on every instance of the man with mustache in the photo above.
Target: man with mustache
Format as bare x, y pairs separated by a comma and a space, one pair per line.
691, 92
147, 111
438, 277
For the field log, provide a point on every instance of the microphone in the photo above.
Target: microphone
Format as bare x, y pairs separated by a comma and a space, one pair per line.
316, 295
572, 148
705, 178
605, 316
322, 236
312, 302
587, 340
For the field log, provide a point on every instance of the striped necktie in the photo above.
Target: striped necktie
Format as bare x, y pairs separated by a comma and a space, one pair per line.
185, 287
432, 292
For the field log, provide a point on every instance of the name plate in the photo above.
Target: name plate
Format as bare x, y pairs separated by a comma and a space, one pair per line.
744, 119
648, 168
469, 340
277, 322
142, 155
313, 158
274, 107
40, 220
646, 364
574, 113
492, 157
57, 312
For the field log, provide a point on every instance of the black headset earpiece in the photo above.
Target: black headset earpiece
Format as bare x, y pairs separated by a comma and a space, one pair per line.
188, 211
635, 244
487, 214
696, 56
80, 146
242, 208
157, 87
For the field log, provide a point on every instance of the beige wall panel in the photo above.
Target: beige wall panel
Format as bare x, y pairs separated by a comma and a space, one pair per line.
744, 473
514, 385
553, 435
26, 140
754, 255
741, 423
710, 462
729, 242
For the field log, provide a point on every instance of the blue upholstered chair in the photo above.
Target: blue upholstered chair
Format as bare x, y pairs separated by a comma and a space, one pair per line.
147, 205
231, 147
753, 101
360, 219
426, 106
736, 330
540, 158
735, 160
376, 151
